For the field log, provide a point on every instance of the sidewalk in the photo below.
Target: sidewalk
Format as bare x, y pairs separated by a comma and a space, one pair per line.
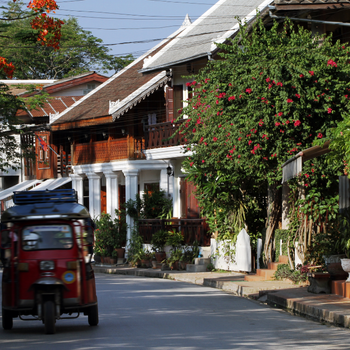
325, 308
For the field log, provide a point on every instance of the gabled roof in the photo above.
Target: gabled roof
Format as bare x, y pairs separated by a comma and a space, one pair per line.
198, 39
118, 94
79, 79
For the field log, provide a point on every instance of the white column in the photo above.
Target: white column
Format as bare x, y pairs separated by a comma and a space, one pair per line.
78, 185
94, 194
131, 189
111, 193
163, 181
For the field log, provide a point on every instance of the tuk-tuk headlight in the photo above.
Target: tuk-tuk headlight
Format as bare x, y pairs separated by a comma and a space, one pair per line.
47, 265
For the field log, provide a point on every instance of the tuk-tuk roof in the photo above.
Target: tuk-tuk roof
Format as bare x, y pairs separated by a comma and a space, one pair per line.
45, 205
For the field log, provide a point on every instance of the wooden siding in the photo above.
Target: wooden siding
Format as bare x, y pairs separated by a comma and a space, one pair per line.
109, 150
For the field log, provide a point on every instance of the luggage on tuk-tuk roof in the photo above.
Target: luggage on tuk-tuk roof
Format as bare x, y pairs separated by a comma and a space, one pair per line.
42, 205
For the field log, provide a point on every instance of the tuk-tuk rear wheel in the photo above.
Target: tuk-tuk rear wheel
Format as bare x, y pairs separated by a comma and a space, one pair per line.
7, 320
49, 317
93, 315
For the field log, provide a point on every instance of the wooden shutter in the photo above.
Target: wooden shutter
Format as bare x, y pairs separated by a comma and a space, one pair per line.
169, 103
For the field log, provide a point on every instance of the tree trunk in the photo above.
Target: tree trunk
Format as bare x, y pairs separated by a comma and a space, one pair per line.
273, 217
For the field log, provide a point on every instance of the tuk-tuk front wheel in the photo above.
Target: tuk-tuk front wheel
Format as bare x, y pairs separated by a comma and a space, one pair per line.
93, 315
7, 320
49, 317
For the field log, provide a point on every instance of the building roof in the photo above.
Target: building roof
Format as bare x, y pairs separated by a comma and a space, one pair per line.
198, 39
51, 107
79, 79
118, 94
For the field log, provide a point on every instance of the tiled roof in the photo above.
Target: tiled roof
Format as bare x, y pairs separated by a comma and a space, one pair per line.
308, 2
99, 102
215, 25
53, 106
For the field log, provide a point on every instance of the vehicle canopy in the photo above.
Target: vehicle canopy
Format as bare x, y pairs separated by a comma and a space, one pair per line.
45, 205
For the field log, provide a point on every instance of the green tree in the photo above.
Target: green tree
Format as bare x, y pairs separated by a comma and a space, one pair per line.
273, 92
79, 52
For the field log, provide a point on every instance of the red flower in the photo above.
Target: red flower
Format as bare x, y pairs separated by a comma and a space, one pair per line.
261, 123
279, 84
329, 110
249, 142
229, 84
239, 156
301, 75
306, 185
289, 100
231, 98
280, 114
287, 121
215, 139
311, 72
297, 123
297, 95
191, 164
240, 138
201, 140
194, 130
248, 90
277, 124
319, 135
331, 63
268, 80
282, 131
203, 161
307, 175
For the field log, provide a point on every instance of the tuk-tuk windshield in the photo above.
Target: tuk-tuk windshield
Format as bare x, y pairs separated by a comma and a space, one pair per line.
42, 237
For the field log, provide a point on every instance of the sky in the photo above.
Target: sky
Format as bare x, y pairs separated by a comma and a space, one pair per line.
131, 26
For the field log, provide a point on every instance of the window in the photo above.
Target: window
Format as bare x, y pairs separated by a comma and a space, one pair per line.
90, 87
42, 237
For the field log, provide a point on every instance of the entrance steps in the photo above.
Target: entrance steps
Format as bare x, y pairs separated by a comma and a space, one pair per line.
267, 274
200, 265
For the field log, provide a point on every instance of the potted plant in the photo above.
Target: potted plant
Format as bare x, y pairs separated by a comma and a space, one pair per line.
158, 242
187, 257
174, 258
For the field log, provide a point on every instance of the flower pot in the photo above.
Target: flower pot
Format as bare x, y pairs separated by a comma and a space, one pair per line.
102, 259
183, 265
97, 259
345, 264
175, 266
145, 263
112, 261
160, 256
121, 252
107, 260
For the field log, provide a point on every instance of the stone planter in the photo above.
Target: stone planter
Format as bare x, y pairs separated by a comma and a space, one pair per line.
334, 268
345, 264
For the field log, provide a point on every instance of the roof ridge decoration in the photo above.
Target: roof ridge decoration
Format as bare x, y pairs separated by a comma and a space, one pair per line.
187, 21
121, 107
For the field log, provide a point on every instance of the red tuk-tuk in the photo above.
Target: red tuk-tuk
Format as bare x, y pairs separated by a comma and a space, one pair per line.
48, 250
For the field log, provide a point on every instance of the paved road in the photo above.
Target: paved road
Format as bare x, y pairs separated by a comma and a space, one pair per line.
146, 313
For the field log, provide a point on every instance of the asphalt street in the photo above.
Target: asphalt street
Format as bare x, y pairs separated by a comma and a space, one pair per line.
148, 313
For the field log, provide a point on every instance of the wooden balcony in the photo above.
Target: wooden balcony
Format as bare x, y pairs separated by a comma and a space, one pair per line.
157, 135
191, 229
109, 150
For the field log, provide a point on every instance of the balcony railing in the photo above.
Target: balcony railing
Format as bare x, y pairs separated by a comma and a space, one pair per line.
191, 229
106, 151
157, 135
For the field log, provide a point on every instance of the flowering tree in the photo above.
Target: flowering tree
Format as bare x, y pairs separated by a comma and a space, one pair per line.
47, 31
274, 91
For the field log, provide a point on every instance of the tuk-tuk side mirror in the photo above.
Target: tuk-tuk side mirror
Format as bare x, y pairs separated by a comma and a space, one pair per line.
5, 239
